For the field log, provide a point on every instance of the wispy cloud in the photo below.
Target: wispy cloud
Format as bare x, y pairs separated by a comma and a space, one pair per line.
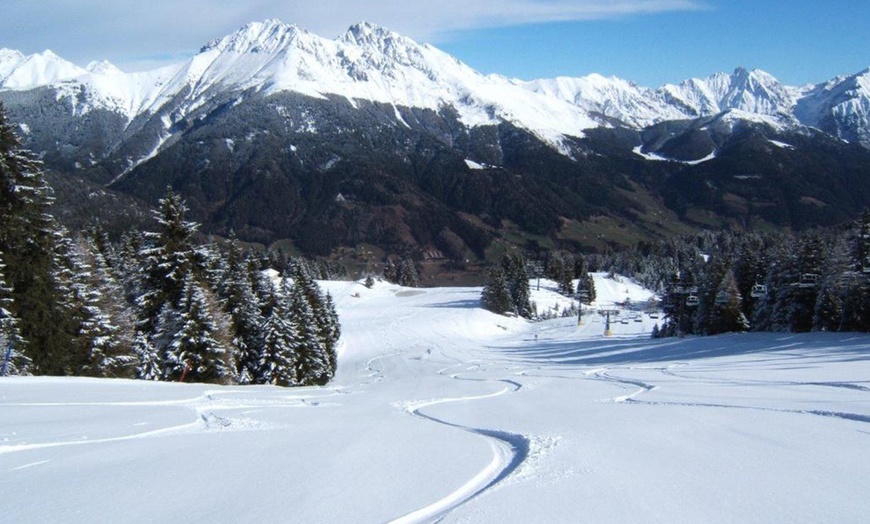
129, 32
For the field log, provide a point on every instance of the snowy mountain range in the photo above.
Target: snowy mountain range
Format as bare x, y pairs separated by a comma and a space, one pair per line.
374, 64
372, 137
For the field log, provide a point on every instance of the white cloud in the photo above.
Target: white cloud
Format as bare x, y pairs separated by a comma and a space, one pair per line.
129, 32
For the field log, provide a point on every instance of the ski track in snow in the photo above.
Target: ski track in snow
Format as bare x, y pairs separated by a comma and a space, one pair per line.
644, 387
203, 406
509, 452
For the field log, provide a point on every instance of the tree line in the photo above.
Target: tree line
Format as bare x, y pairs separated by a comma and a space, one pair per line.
719, 282
157, 305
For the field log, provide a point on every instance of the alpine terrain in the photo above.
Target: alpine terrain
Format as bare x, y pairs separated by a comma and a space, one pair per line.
280, 134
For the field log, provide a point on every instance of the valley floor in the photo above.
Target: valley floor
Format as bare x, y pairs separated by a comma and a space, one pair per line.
443, 411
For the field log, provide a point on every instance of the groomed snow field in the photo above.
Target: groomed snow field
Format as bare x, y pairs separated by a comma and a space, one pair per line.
443, 412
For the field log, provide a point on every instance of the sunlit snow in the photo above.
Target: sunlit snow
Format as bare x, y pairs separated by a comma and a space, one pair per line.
444, 412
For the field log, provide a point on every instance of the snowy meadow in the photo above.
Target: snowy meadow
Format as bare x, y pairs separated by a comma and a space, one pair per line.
441, 411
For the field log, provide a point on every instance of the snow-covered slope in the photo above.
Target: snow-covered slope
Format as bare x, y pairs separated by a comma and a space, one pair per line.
444, 412
366, 63
755, 92
370, 63
21, 72
840, 107
616, 98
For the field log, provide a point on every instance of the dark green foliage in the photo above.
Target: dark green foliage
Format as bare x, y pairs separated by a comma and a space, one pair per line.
507, 287
496, 296
169, 259
28, 236
197, 347
159, 307
407, 274
13, 359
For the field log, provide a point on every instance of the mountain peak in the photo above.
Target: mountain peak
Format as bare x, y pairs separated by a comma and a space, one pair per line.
268, 37
103, 67
366, 34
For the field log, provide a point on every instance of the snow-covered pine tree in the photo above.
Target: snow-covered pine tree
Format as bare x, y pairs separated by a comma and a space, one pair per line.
326, 323
514, 267
407, 274
728, 314
795, 288
391, 272
13, 357
149, 363
496, 296
312, 363
104, 336
27, 237
240, 302
198, 349
168, 258
332, 334
279, 360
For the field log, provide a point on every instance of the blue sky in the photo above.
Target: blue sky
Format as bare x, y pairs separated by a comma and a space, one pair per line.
648, 41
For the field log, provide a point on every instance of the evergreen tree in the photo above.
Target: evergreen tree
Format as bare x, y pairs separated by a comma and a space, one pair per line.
168, 258
104, 337
148, 361
312, 362
197, 349
27, 240
326, 329
514, 267
407, 274
391, 272
279, 360
13, 358
496, 296
728, 315
240, 302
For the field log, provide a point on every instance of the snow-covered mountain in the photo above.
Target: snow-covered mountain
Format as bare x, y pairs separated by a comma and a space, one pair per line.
366, 63
276, 133
370, 63
840, 107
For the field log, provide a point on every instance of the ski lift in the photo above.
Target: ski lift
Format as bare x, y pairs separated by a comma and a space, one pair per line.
692, 301
758, 291
721, 298
653, 314
638, 319
808, 280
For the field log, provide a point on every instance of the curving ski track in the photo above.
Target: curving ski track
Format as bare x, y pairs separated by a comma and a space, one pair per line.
510, 450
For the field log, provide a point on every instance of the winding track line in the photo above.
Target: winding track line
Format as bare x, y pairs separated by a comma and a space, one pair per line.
509, 452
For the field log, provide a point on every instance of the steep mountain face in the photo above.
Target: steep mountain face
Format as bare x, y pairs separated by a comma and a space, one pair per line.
278, 133
840, 107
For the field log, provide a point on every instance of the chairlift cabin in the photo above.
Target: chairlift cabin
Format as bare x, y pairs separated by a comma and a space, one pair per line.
721, 298
808, 280
692, 301
758, 291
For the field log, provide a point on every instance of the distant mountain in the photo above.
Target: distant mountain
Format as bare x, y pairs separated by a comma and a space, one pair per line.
278, 133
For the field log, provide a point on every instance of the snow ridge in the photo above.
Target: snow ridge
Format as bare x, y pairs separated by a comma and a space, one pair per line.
372, 63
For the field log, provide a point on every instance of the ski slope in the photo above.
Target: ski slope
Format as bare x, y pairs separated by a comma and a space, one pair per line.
444, 412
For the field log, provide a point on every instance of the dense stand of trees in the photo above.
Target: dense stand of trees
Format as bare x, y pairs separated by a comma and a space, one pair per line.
506, 289
717, 282
157, 306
